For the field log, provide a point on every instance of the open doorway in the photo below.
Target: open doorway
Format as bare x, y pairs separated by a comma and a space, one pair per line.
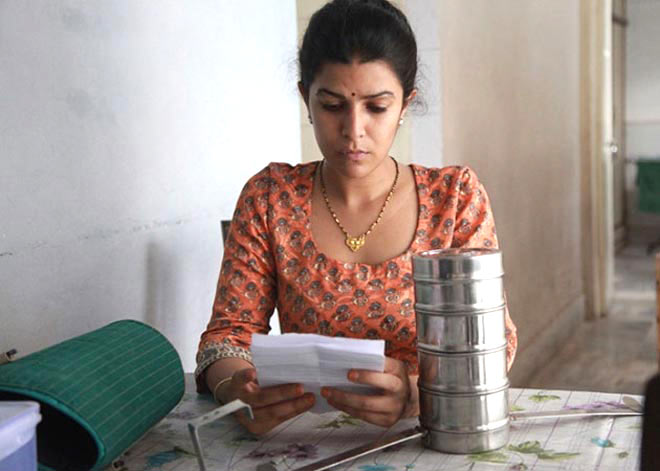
620, 288
642, 119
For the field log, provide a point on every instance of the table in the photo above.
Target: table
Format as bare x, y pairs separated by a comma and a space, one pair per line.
603, 443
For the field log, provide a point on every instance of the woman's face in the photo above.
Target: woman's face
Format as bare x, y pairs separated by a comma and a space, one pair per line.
355, 110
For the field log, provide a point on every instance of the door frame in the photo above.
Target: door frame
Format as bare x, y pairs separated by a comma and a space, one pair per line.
619, 157
596, 129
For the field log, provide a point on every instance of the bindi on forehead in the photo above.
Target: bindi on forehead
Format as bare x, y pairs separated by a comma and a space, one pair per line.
353, 94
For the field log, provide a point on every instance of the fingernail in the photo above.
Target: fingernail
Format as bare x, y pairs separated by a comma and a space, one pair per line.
325, 393
352, 376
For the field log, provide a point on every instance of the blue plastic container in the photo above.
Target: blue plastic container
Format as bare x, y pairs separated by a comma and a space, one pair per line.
18, 437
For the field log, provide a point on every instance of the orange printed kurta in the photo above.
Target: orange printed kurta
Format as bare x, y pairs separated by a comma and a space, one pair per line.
271, 260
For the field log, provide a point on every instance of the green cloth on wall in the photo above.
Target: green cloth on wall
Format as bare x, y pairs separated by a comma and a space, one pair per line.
99, 393
648, 182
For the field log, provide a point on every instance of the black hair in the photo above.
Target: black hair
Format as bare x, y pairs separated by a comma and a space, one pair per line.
366, 30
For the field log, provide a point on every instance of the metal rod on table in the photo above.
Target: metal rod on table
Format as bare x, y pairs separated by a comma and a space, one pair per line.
363, 450
555, 414
418, 432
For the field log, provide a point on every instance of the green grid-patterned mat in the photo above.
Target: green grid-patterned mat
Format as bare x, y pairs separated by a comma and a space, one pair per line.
99, 392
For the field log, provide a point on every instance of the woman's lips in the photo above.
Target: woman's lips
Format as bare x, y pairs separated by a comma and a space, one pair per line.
355, 155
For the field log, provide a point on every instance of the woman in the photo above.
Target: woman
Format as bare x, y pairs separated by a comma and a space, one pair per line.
330, 243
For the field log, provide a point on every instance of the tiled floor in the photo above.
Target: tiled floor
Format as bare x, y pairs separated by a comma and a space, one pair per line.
617, 353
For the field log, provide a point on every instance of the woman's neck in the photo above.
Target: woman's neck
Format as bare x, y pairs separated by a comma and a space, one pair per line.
357, 192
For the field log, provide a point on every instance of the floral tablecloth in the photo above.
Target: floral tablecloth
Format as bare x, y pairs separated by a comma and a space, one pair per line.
603, 443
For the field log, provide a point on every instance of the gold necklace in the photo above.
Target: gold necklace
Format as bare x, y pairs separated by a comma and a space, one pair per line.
356, 243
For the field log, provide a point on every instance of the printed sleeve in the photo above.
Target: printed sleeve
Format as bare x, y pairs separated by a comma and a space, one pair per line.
474, 223
246, 292
475, 227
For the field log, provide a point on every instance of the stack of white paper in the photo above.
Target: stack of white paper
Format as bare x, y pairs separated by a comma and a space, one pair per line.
315, 361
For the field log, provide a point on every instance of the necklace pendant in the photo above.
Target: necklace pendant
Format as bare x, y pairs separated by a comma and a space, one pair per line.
355, 243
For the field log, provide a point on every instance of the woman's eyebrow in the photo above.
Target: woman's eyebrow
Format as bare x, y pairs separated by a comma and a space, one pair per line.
325, 91
381, 94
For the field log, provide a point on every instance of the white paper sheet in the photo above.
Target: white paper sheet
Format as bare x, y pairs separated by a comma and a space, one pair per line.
315, 361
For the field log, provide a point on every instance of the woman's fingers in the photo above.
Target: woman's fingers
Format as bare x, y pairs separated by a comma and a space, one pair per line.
271, 405
395, 367
285, 410
383, 409
386, 381
393, 378
383, 420
275, 394
268, 417
242, 382
245, 376
379, 404
248, 390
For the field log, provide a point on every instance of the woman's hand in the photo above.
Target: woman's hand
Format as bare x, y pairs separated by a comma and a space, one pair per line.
398, 398
271, 406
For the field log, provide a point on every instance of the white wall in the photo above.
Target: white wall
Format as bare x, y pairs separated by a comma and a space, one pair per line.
511, 110
642, 95
127, 129
426, 135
